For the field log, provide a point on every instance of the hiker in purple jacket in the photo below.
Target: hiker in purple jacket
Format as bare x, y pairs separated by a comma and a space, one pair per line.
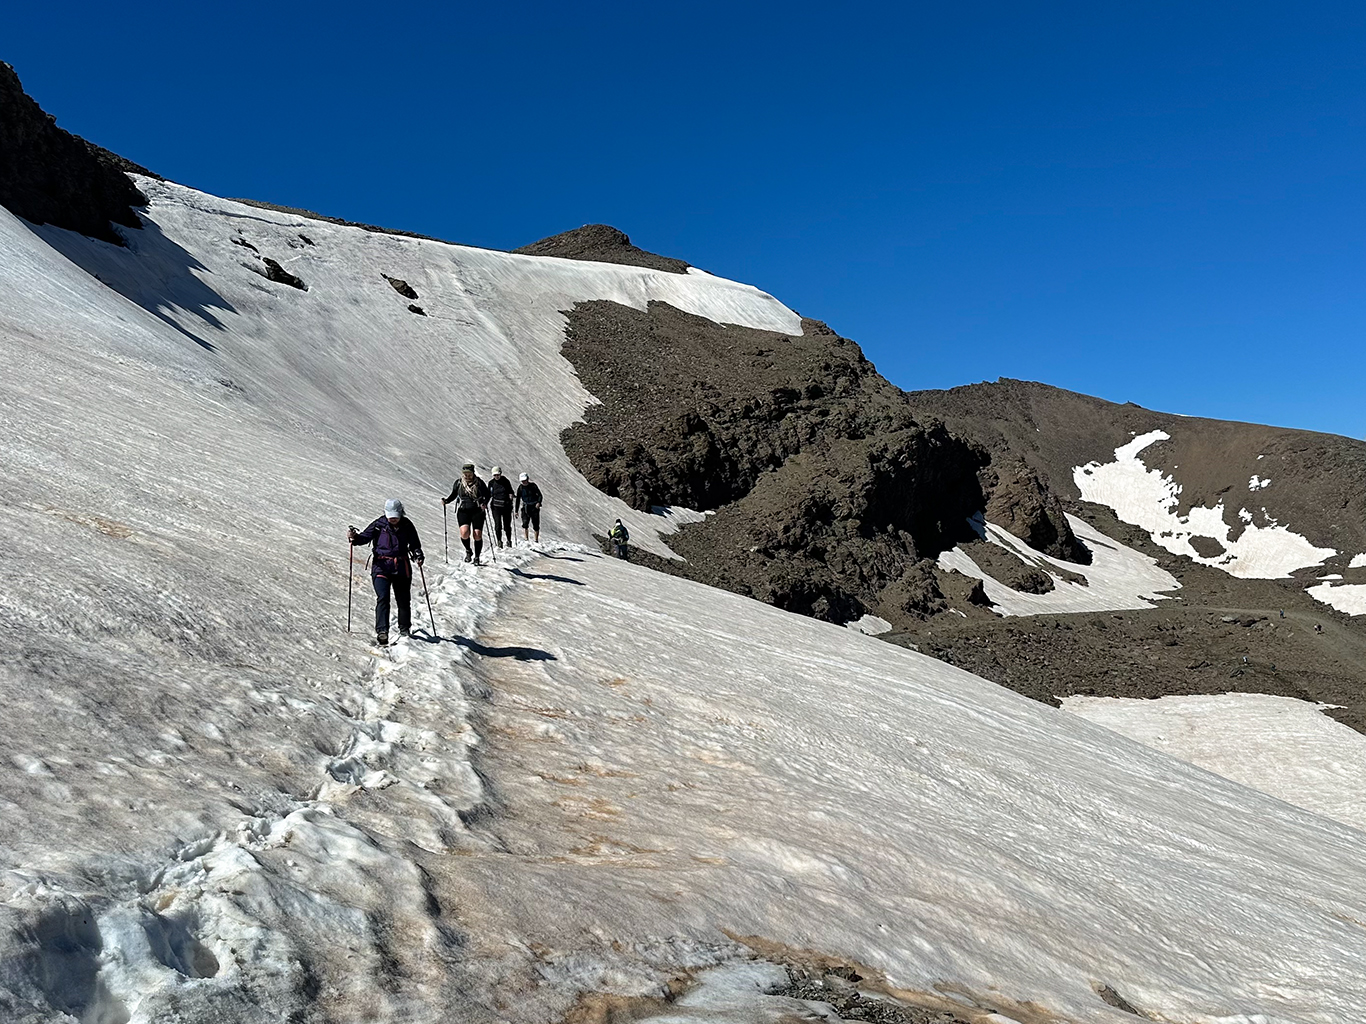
396, 547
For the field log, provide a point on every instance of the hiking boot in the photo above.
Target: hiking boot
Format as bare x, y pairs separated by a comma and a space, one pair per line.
403, 632
468, 556
382, 639
476, 560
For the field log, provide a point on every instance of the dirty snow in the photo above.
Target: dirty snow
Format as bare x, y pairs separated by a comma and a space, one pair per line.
221, 805
1148, 498
1118, 577
1281, 746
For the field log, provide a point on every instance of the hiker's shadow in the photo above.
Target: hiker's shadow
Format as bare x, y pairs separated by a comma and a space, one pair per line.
519, 653
546, 576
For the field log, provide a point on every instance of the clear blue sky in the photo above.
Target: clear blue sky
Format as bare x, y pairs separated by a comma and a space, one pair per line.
1152, 202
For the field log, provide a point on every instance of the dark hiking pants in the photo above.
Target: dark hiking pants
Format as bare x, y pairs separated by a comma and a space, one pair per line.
502, 521
403, 591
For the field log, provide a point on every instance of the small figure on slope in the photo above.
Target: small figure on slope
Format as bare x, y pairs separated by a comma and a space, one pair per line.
529, 503
619, 536
471, 497
500, 504
397, 547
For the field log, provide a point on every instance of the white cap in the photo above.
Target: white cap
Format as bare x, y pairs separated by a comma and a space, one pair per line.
524, 477
497, 471
393, 508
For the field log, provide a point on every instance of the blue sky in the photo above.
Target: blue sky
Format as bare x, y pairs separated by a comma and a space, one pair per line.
1160, 202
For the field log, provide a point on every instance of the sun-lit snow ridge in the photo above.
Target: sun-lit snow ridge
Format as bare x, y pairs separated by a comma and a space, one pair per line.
1148, 498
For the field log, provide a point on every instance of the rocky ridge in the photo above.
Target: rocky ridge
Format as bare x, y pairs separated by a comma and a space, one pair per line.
49, 176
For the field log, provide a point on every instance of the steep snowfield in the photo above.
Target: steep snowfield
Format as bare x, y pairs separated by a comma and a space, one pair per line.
1148, 498
220, 806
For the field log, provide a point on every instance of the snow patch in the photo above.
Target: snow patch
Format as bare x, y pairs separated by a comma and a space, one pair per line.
1281, 746
1117, 578
870, 625
1258, 484
1358, 561
1346, 597
1148, 498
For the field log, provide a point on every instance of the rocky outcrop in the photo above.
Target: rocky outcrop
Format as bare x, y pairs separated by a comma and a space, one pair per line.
828, 493
49, 176
601, 243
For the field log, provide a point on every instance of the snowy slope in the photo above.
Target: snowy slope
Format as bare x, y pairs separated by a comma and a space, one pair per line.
218, 806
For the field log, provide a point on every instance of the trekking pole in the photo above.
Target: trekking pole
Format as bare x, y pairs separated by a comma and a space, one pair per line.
428, 595
350, 581
494, 546
444, 535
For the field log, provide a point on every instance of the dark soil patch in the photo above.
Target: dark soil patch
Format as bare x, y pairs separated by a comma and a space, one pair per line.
49, 176
601, 243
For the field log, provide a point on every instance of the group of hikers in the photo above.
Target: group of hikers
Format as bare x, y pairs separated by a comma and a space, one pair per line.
397, 547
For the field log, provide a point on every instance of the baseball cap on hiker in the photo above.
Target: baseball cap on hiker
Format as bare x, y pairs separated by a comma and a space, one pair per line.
497, 471
393, 508
524, 477
469, 466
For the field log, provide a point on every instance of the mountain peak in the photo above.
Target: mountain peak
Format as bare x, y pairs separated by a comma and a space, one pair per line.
601, 243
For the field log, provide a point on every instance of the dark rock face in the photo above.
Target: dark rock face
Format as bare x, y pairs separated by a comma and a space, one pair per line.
601, 243
280, 275
400, 286
1023, 506
827, 492
414, 308
49, 176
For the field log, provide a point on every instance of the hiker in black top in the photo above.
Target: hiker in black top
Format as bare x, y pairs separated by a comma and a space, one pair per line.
529, 503
500, 504
471, 497
396, 547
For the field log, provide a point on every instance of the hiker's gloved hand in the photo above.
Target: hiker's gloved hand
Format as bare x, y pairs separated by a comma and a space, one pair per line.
445, 501
351, 534
418, 559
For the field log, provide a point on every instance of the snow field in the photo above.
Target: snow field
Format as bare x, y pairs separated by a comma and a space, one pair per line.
691, 764
1147, 498
1345, 597
1117, 578
1281, 746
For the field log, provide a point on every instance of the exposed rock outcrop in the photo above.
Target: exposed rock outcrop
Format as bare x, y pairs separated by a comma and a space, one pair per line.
49, 176
826, 490
601, 243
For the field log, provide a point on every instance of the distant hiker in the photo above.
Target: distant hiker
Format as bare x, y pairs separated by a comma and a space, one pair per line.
619, 536
471, 497
529, 503
396, 542
500, 504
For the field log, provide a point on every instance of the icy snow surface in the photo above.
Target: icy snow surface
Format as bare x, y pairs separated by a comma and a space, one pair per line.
870, 625
1358, 561
1147, 498
220, 806
1118, 577
1285, 747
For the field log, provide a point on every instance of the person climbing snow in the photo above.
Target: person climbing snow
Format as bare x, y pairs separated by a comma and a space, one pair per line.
500, 504
397, 548
620, 537
471, 497
528, 502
